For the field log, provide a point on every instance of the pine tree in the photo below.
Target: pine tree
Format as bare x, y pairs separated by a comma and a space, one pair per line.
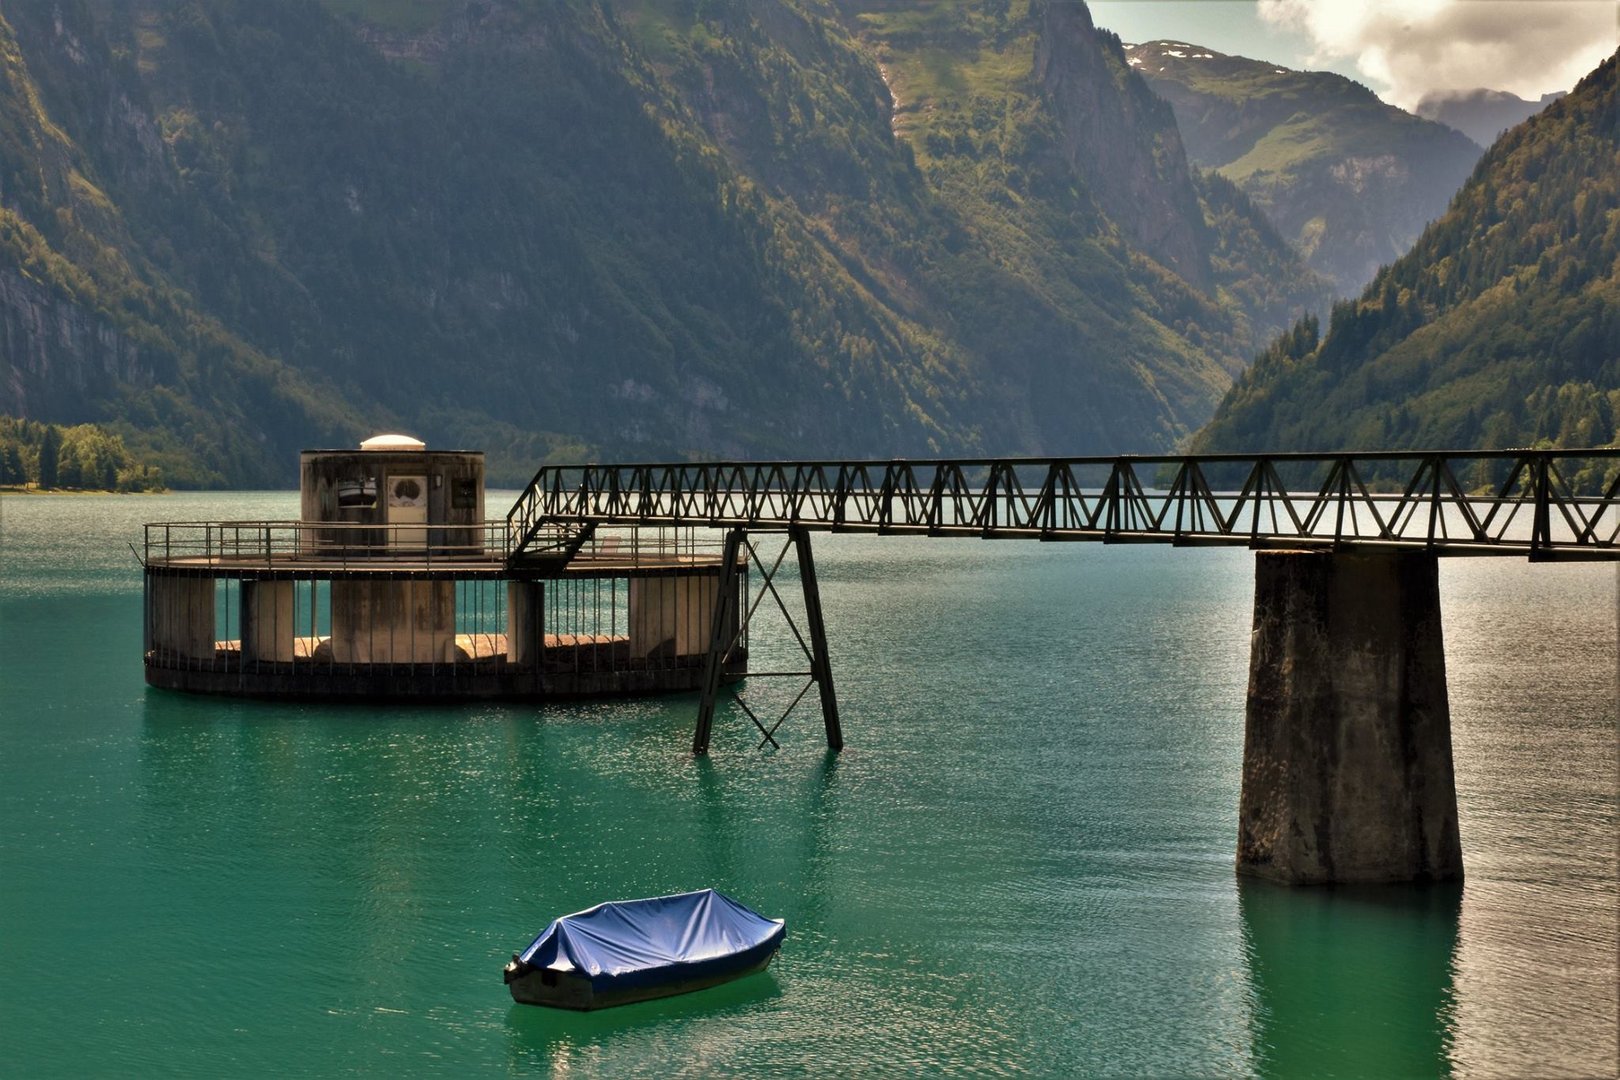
11, 466
50, 449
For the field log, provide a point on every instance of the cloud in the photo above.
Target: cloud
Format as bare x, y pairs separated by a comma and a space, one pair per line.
1408, 48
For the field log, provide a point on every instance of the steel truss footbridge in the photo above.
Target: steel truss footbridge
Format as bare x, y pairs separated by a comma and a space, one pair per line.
1531, 503
1544, 504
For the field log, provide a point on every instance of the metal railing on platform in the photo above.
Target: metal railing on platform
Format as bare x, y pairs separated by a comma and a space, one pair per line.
1546, 504
324, 546
274, 545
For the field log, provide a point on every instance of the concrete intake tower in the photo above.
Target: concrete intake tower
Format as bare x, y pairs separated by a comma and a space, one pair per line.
392, 584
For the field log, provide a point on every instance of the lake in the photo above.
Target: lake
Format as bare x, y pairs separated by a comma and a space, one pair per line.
1021, 864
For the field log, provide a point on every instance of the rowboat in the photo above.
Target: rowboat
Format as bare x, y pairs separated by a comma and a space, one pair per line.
634, 950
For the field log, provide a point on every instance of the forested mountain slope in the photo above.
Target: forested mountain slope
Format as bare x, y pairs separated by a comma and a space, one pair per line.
90, 328
636, 228
1500, 328
1350, 180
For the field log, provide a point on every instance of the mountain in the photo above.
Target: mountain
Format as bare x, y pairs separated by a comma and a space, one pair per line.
639, 228
1500, 328
1350, 180
1482, 115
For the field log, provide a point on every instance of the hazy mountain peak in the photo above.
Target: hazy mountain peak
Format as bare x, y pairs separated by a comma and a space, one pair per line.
1482, 114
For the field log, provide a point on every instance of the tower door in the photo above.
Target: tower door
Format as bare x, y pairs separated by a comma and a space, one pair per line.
407, 512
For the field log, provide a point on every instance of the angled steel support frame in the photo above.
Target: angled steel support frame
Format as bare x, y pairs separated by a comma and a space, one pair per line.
720, 643
820, 663
723, 639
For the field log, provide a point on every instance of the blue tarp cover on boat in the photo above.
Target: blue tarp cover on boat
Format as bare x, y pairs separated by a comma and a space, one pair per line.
635, 942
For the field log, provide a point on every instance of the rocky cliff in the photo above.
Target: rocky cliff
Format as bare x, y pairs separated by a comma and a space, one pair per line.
1122, 139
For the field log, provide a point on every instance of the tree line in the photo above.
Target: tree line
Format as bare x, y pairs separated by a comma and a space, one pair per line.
83, 457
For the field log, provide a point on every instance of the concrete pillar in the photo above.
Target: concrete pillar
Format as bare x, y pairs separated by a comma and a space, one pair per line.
525, 622
267, 621
393, 621
670, 615
1347, 751
182, 617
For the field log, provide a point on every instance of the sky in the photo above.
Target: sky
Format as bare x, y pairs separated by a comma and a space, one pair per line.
1402, 49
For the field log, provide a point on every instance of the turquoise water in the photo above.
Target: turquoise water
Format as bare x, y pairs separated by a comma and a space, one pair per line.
1021, 864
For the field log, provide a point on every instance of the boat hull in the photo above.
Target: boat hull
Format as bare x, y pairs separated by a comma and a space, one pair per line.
569, 990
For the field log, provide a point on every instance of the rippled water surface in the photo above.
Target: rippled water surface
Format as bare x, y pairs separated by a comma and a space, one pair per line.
1021, 864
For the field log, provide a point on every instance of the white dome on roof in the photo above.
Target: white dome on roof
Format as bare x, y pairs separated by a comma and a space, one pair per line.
393, 442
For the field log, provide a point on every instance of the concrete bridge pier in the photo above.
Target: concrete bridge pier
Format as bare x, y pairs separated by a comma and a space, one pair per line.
1347, 773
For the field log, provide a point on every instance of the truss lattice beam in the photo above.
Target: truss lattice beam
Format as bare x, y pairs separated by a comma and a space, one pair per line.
1451, 503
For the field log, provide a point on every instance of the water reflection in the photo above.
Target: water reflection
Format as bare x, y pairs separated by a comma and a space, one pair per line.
561, 1041
1351, 981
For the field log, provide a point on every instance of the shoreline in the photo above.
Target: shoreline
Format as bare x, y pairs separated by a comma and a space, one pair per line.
13, 489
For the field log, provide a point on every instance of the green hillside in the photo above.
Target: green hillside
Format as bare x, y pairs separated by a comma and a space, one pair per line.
1348, 179
1501, 327
643, 228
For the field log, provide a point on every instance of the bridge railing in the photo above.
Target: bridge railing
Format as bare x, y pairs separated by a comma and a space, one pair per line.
1540, 503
